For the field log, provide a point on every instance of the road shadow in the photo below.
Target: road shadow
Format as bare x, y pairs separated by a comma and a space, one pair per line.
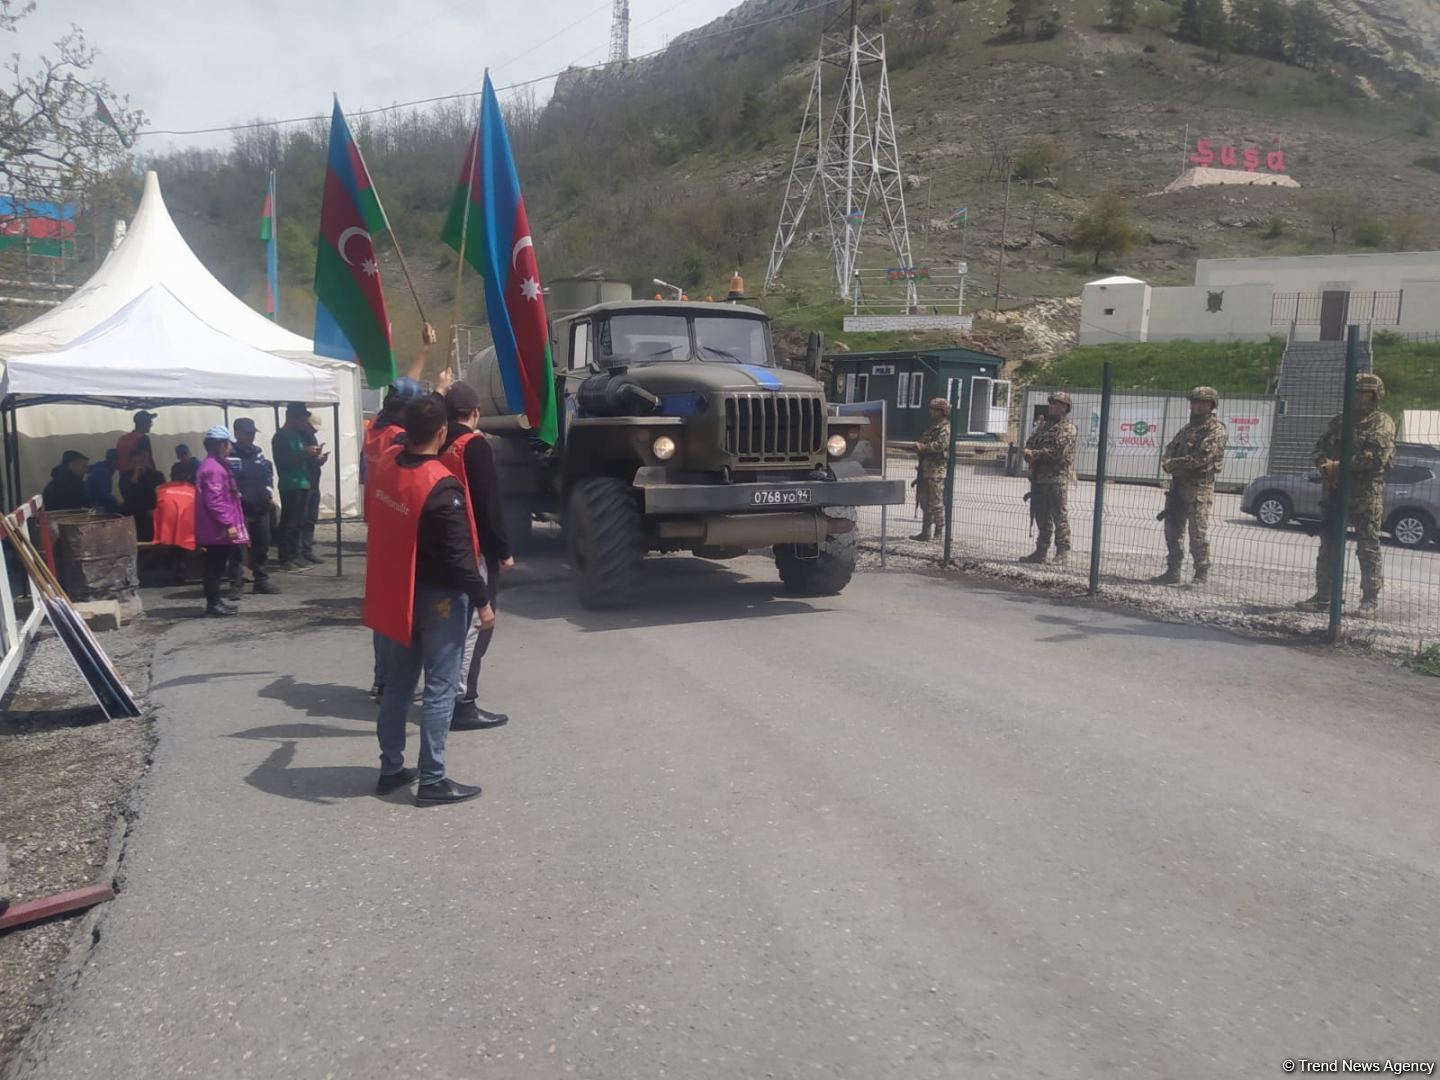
674, 592
292, 732
202, 678
331, 701
323, 785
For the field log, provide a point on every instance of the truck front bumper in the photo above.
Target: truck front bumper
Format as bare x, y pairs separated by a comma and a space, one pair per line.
851, 487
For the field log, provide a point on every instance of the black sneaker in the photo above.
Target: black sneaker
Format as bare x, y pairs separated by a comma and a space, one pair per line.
313, 559
390, 782
236, 592
444, 791
377, 691
470, 717
220, 609
265, 588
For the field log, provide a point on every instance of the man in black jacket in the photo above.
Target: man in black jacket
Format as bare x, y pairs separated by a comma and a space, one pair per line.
66, 489
417, 517
256, 480
467, 454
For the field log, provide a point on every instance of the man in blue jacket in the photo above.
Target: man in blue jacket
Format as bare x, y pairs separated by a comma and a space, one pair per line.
256, 479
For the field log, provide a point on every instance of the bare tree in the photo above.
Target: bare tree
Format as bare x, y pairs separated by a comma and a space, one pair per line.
52, 140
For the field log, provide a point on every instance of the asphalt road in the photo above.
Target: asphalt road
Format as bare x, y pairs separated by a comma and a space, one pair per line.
926, 829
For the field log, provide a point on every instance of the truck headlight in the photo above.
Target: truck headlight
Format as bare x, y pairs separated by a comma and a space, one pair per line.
836, 446
663, 448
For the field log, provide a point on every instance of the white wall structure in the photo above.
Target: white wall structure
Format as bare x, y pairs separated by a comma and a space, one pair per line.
1253, 299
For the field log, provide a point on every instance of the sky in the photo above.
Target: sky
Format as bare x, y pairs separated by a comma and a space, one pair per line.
204, 63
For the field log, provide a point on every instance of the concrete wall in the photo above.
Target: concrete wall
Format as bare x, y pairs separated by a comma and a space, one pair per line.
1183, 314
1380, 272
1114, 311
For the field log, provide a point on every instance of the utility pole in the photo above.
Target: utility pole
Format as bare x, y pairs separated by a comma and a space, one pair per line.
1004, 221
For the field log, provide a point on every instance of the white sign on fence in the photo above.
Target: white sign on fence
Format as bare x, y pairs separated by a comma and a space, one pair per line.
1142, 424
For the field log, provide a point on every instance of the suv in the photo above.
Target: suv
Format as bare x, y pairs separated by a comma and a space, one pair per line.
1412, 496
680, 433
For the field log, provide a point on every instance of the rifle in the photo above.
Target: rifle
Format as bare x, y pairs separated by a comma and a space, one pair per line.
1170, 507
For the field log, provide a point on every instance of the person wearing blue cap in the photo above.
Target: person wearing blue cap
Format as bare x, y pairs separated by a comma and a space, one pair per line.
219, 518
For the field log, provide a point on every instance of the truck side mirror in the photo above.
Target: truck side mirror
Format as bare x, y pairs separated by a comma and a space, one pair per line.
814, 353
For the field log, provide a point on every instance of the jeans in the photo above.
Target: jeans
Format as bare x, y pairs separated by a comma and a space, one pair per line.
441, 616
219, 558
382, 657
293, 507
307, 523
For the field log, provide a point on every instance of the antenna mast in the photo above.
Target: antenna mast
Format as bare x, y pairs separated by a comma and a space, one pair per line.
853, 163
620, 32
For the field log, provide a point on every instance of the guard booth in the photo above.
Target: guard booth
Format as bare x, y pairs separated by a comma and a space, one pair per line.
906, 381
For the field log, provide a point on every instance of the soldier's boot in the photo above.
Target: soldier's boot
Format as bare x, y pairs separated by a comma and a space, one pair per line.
1171, 576
1036, 556
1061, 555
1319, 602
1202, 575
1369, 602
925, 531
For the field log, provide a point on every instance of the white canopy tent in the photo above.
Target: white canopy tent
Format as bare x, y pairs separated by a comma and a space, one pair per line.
144, 345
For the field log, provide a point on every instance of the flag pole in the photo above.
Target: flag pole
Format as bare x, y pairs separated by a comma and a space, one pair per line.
464, 231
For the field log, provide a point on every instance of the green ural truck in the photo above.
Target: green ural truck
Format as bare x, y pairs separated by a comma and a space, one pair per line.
680, 433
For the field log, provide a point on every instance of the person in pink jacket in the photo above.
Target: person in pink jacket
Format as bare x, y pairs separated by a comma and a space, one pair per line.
219, 518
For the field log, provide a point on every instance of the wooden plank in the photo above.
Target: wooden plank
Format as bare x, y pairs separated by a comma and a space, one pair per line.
49, 906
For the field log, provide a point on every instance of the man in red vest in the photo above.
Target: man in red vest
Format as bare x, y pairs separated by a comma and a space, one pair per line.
421, 578
467, 454
139, 439
382, 432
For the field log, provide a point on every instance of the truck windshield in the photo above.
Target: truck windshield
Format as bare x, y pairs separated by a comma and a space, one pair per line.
657, 337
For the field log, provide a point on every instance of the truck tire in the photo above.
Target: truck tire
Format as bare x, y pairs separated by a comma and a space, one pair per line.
825, 571
605, 542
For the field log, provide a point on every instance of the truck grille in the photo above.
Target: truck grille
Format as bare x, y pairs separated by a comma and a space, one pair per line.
773, 429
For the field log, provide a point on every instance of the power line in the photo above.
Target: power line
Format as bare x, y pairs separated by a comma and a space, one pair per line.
253, 125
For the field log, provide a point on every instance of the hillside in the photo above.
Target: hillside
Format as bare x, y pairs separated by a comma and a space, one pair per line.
674, 166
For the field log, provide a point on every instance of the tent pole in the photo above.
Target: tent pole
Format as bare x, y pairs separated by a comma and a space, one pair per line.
5, 446
335, 427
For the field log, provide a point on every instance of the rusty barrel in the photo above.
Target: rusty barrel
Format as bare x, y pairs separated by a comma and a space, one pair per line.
95, 556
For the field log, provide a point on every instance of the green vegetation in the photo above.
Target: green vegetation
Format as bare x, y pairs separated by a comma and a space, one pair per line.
1105, 229
1411, 370
1232, 367
1427, 661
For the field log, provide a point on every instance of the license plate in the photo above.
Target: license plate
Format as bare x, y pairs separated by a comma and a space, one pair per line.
781, 497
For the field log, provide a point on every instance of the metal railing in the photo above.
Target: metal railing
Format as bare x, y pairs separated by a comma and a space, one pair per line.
1306, 309
1264, 532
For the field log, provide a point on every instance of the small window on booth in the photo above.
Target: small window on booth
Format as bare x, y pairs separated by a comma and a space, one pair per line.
580, 346
862, 388
917, 390
902, 393
1109, 311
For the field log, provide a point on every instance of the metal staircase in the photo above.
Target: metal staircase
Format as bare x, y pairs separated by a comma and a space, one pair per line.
1311, 385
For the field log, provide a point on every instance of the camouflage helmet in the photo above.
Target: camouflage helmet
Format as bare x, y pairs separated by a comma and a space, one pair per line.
1205, 393
939, 404
1060, 397
1368, 380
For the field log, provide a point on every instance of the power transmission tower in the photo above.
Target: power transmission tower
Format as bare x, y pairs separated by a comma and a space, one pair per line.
853, 163
620, 32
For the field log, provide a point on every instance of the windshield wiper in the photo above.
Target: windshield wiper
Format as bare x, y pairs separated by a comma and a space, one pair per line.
722, 354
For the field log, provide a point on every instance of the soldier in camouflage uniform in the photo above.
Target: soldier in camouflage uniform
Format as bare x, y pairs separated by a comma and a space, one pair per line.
933, 455
1050, 453
1373, 455
1193, 458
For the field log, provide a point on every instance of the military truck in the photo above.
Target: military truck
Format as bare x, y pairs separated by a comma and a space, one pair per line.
679, 432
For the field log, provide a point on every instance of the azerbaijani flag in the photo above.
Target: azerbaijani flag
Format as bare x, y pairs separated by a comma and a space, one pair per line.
351, 322
106, 117
267, 237
855, 217
961, 214
501, 249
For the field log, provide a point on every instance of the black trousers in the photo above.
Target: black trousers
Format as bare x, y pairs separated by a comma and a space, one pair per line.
294, 505
220, 561
312, 515
471, 678
257, 524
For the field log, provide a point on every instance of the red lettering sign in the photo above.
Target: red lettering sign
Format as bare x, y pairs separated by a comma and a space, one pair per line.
1229, 157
